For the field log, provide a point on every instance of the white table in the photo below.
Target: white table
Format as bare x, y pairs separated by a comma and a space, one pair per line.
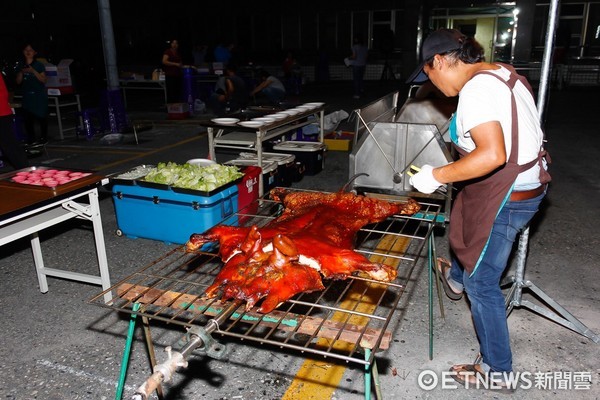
58, 102
141, 84
26, 211
251, 139
65, 101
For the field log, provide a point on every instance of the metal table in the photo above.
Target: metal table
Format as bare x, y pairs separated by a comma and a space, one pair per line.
59, 102
26, 210
141, 84
64, 101
349, 320
242, 138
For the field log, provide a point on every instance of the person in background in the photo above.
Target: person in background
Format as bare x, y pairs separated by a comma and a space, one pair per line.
231, 93
269, 86
11, 149
288, 65
199, 54
172, 66
322, 66
223, 53
32, 79
358, 62
503, 178
292, 73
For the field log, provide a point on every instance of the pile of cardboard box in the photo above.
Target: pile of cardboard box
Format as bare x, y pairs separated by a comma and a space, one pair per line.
59, 77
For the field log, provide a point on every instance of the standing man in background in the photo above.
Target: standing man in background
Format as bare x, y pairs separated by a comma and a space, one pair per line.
172, 64
358, 61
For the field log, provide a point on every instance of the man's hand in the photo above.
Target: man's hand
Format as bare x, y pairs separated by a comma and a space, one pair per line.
424, 181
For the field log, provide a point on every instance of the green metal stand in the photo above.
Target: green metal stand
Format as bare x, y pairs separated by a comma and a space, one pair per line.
371, 373
433, 277
127, 352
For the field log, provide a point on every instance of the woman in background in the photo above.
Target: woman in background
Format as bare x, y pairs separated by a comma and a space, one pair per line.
32, 79
172, 64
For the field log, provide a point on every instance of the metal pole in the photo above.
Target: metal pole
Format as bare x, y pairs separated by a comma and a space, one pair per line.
541, 104
547, 59
108, 45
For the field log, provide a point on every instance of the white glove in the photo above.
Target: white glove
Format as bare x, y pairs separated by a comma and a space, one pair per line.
424, 181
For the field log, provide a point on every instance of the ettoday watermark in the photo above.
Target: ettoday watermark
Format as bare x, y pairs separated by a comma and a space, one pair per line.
557, 380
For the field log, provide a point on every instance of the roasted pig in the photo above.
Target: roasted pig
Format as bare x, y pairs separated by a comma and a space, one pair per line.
313, 236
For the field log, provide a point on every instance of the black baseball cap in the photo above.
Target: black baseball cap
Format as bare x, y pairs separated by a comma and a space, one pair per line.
438, 42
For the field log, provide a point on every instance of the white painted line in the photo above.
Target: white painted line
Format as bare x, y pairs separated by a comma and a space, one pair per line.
82, 374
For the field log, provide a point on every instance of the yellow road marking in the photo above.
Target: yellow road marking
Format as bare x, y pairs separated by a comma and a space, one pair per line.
106, 166
136, 155
317, 379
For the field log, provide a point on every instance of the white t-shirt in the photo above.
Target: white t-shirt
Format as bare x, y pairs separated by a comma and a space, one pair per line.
484, 99
276, 83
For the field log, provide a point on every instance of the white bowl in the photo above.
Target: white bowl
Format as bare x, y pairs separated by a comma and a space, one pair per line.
203, 162
278, 116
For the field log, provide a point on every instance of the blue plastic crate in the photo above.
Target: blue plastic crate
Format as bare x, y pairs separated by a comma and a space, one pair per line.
169, 216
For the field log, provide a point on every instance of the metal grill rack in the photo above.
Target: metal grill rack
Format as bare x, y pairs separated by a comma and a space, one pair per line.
348, 320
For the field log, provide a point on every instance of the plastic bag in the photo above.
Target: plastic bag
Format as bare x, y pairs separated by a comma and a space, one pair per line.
331, 121
199, 106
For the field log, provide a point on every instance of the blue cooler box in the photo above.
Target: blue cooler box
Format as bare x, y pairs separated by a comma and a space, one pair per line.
169, 214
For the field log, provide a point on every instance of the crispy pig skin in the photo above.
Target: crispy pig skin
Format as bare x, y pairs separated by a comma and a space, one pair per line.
313, 236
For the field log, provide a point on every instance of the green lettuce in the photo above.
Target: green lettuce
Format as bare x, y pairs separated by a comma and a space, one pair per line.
196, 177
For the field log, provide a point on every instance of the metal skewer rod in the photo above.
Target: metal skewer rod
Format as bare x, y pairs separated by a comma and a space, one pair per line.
409, 164
397, 174
164, 371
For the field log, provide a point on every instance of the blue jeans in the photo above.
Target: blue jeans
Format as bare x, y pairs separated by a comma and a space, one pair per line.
274, 95
483, 285
358, 73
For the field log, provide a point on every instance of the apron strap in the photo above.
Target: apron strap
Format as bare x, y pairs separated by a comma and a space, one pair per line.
512, 80
543, 154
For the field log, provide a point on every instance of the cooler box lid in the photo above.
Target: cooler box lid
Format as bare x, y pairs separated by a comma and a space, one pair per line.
300, 146
268, 166
279, 158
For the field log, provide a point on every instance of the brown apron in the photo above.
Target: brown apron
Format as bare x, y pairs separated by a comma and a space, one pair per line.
479, 202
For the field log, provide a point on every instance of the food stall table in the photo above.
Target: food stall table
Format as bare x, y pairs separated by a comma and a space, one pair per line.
142, 84
237, 131
26, 210
58, 102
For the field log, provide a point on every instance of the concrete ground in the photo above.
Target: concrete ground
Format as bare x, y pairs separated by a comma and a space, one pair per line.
56, 346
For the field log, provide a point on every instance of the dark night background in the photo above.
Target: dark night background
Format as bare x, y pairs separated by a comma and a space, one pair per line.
71, 28
262, 31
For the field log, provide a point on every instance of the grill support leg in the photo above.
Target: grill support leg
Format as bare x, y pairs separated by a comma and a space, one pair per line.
151, 352
371, 375
367, 375
433, 276
518, 284
126, 352
197, 338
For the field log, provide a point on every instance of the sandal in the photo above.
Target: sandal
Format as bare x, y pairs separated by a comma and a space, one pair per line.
443, 265
473, 376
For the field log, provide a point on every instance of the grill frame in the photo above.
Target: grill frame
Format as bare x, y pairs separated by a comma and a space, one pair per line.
342, 321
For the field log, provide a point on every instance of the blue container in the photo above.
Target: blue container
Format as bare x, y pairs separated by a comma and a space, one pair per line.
189, 94
112, 112
170, 216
